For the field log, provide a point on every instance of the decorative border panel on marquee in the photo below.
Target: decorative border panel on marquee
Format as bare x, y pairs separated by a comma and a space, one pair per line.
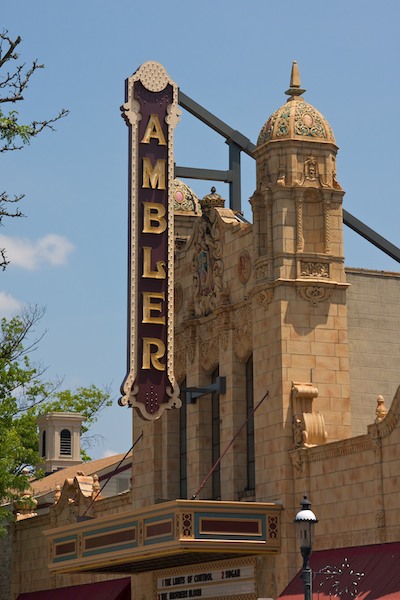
151, 113
179, 532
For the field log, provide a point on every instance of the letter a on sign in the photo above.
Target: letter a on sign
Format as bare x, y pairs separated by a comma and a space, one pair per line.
151, 113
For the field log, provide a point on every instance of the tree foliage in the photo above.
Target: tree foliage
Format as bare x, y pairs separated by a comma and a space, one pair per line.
15, 78
24, 395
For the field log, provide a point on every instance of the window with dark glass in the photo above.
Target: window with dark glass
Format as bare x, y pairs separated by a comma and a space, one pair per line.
250, 449
65, 443
183, 445
44, 444
215, 440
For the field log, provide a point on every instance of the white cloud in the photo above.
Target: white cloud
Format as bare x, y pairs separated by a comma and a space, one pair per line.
108, 453
51, 249
8, 305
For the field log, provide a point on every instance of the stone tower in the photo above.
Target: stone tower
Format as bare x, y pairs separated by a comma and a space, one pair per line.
59, 440
300, 348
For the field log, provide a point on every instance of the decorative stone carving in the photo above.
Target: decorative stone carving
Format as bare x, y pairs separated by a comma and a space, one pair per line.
208, 266
309, 430
314, 294
311, 175
314, 269
57, 494
299, 222
178, 297
327, 221
263, 271
387, 425
381, 410
297, 463
308, 425
380, 518
244, 267
181, 353
77, 499
264, 297
209, 345
242, 332
190, 342
180, 364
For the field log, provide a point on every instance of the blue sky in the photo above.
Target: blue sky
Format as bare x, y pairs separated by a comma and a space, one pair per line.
70, 252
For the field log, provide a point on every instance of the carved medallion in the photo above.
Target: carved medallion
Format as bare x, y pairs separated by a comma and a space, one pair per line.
314, 294
244, 267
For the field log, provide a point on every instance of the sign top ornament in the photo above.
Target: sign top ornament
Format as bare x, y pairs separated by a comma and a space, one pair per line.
151, 113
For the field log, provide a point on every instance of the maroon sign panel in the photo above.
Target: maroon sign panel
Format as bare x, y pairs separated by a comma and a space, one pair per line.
151, 112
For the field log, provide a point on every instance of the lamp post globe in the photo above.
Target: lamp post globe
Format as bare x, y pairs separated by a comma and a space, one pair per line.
305, 521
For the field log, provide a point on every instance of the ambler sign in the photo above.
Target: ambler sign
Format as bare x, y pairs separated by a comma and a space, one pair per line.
151, 112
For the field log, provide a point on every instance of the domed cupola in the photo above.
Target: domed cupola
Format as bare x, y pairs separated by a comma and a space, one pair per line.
296, 119
297, 205
296, 145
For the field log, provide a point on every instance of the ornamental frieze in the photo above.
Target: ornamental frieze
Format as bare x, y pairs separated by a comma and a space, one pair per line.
314, 269
263, 270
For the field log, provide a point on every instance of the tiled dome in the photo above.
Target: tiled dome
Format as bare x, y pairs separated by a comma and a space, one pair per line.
185, 200
296, 119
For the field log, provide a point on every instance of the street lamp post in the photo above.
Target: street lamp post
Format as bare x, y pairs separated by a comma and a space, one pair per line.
305, 520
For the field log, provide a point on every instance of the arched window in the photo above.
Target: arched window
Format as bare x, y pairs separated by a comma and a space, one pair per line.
250, 449
65, 442
44, 444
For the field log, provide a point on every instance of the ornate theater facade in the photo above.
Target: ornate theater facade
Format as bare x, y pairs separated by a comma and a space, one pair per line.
260, 370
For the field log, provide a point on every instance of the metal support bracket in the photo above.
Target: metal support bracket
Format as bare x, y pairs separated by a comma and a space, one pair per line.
192, 393
239, 143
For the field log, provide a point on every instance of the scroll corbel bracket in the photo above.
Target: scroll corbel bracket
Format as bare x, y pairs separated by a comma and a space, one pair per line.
308, 425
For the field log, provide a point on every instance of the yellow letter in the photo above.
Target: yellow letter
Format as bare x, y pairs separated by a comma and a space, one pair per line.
153, 217
148, 306
159, 273
154, 178
153, 357
154, 130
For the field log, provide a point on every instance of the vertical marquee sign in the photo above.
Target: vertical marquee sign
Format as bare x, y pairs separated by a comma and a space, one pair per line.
151, 113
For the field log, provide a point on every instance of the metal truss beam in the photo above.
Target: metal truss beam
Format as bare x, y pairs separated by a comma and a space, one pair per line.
239, 143
371, 236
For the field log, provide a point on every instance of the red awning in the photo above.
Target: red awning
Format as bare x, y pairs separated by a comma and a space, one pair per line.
362, 573
117, 589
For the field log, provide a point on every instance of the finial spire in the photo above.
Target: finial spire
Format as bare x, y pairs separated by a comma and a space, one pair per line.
295, 89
